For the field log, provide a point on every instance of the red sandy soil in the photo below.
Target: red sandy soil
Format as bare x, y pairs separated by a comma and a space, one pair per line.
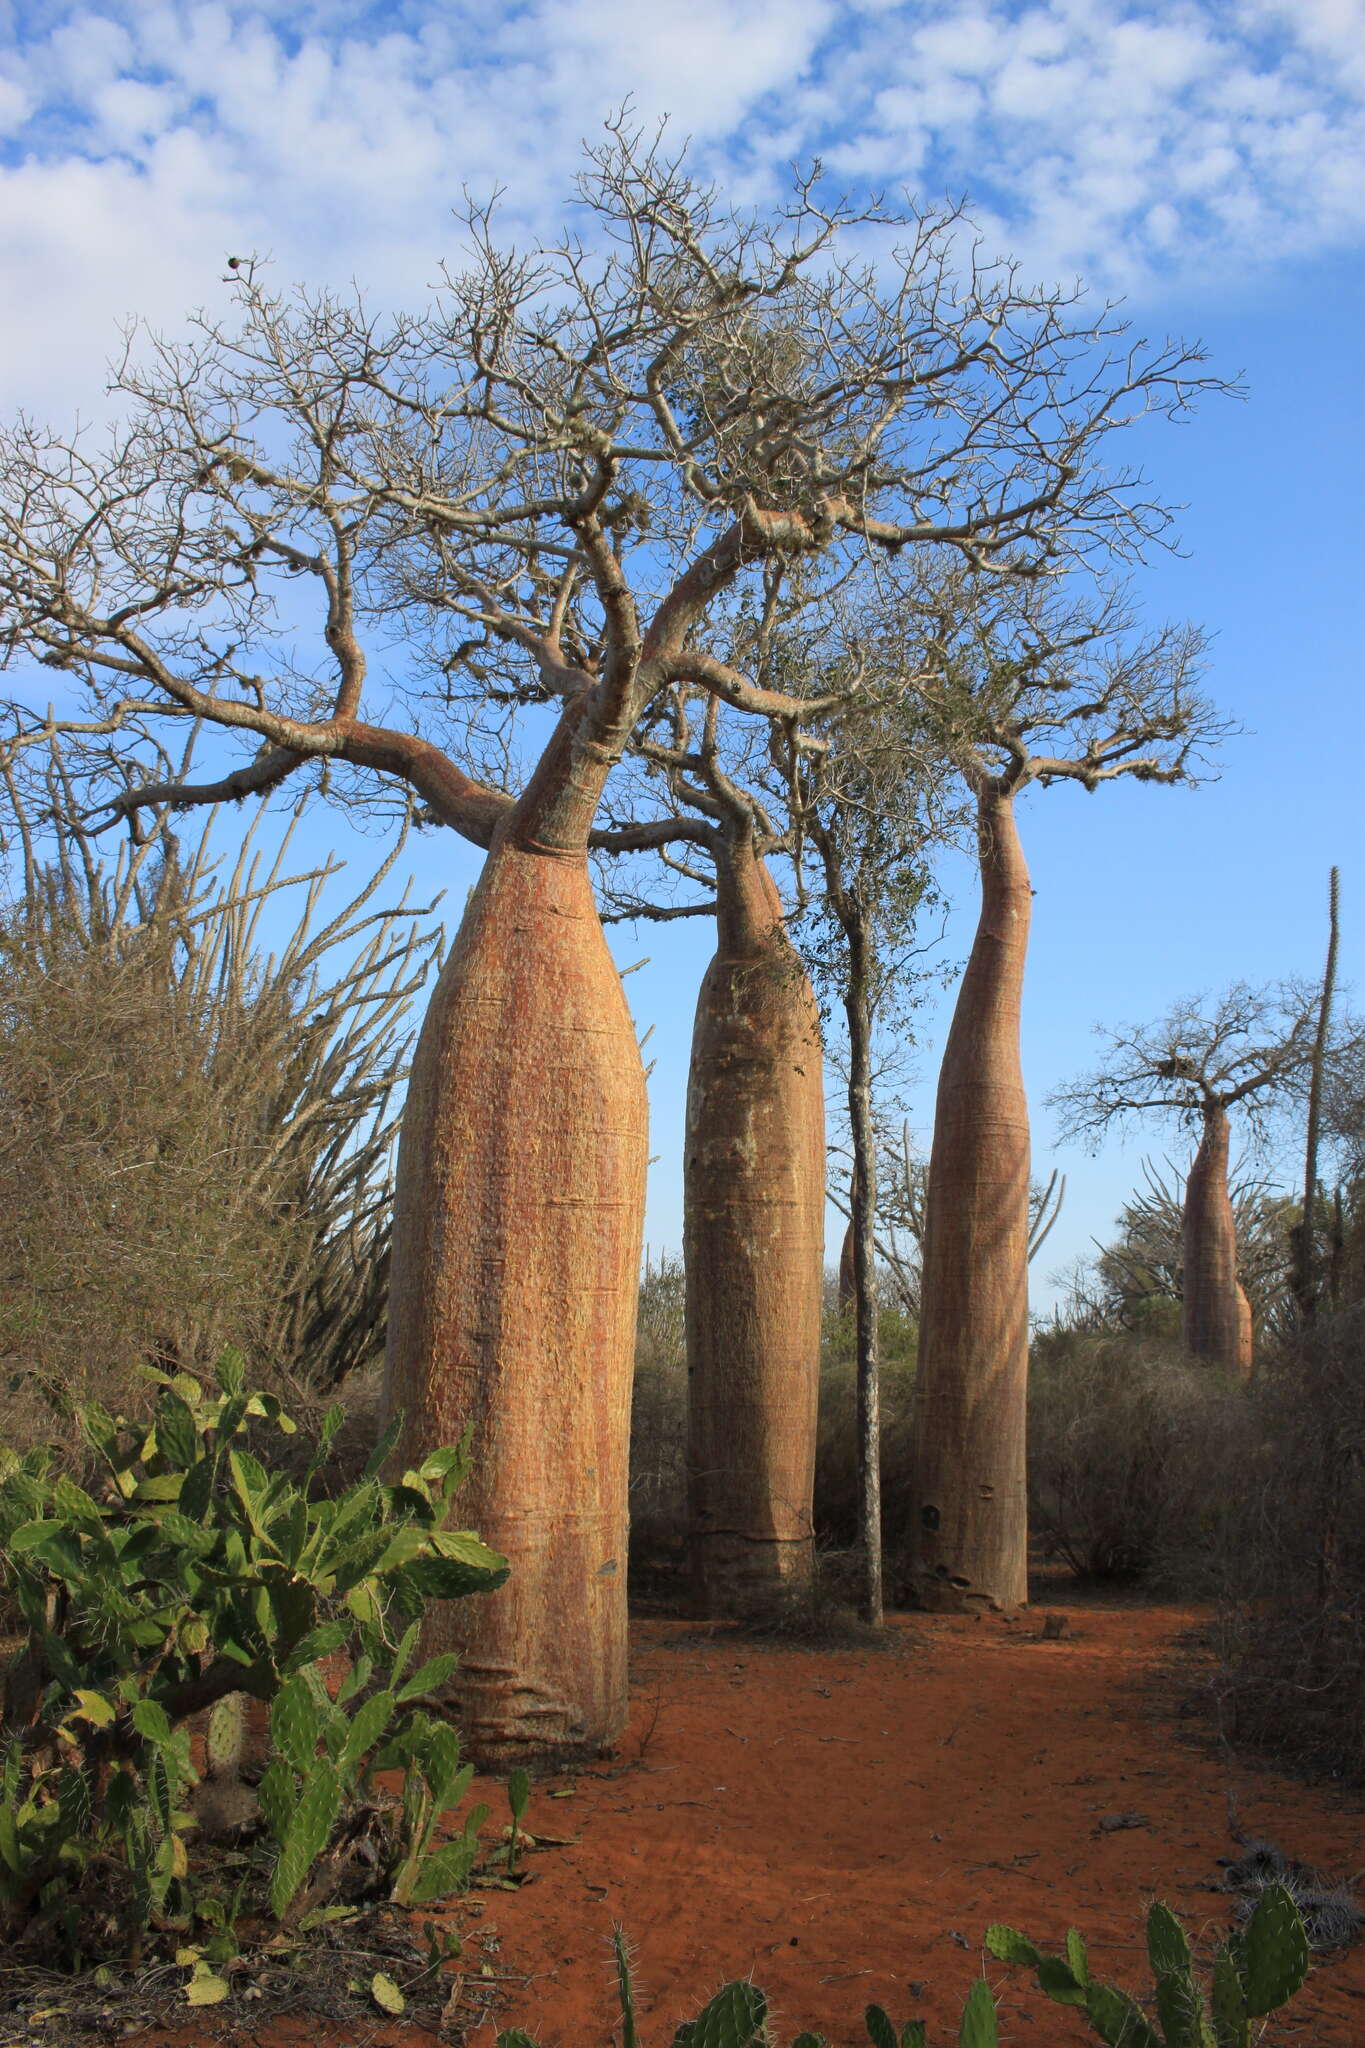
844, 1825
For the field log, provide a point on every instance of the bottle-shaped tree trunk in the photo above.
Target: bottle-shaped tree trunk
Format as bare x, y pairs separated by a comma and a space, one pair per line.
1211, 1318
754, 1237
518, 1223
970, 1520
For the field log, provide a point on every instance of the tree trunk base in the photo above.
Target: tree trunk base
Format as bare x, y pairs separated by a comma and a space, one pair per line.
733, 1576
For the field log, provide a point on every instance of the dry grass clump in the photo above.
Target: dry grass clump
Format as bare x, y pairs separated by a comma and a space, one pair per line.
817, 1614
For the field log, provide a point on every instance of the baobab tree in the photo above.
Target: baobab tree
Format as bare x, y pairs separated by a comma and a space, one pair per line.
1023, 688
1136, 1281
753, 1178
537, 490
1246, 1052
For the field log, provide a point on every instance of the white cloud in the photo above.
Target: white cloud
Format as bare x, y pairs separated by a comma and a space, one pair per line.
1181, 140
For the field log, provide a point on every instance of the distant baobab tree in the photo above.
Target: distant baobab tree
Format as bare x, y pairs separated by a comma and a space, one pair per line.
1246, 1052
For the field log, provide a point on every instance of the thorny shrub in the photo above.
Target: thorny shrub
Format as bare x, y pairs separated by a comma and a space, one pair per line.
195, 1139
1289, 1571
1133, 1455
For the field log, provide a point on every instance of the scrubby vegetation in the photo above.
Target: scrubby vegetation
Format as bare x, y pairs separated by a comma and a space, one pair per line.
1255, 1973
184, 1577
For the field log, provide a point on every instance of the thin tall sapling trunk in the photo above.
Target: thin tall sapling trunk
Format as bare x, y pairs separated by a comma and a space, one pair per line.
754, 1198
969, 1524
863, 1225
861, 807
1304, 1252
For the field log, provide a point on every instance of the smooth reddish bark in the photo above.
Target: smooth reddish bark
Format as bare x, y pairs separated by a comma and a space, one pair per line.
1212, 1322
1246, 1335
970, 1519
517, 1234
754, 1241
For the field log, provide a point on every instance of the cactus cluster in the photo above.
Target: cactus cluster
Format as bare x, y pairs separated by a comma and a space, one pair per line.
1254, 1972
737, 2017
191, 1575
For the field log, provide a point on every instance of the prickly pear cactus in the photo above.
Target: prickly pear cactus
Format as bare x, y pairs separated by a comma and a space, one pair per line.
225, 1737
734, 2019
1272, 1954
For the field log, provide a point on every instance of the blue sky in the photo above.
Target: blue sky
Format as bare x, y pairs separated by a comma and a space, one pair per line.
1207, 161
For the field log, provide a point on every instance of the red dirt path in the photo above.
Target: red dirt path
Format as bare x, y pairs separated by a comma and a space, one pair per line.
844, 1826
833, 1823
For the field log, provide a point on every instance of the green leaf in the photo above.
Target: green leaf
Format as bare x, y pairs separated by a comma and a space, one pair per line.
1059, 1981
1076, 1957
444, 1872
176, 1436
447, 1578
1117, 2020
1180, 2009
278, 1796
307, 1836
1011, 1946
978, 2028
733, 2019
386, 1994
880, 2031
367, 1726
29, 1535
94, 1708
1230, 2021
1167, 1946
161, 1486
429, 1678
1274, 1951
151, 1721
295, 1723
518, 1792
230, 1372
378, 1457
323, 1641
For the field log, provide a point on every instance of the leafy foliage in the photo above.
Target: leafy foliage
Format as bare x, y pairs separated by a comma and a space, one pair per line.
1254, 1973
190, 1573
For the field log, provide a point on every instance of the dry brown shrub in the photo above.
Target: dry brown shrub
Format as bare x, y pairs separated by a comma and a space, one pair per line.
1290, 1571
195, 1138
1133, 1452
